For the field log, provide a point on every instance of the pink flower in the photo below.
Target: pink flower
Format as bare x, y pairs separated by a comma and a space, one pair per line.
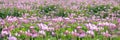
101, 24
78, 27
82, 35
33, 18
34, 35
31, 27
11, 19
90, 32
106, 34
92, 26
53, 34
28, 33
11, 27
59, 19
75, 34
12, 38
4, 33
118, 20
25, 20
43, 26
66, 32
2, 22
110, 25
71, 20
42, 32
50, 29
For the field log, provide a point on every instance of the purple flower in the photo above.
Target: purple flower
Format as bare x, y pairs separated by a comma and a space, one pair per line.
58, 19
92, 26
4, 33
2, 22
82, 35
53, 34
12, 38
118, 20
11, 27
43, 26
25, 20
110, 25
34, 35
11, 19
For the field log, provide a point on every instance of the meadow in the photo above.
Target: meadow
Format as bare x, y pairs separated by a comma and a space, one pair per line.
59, 19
